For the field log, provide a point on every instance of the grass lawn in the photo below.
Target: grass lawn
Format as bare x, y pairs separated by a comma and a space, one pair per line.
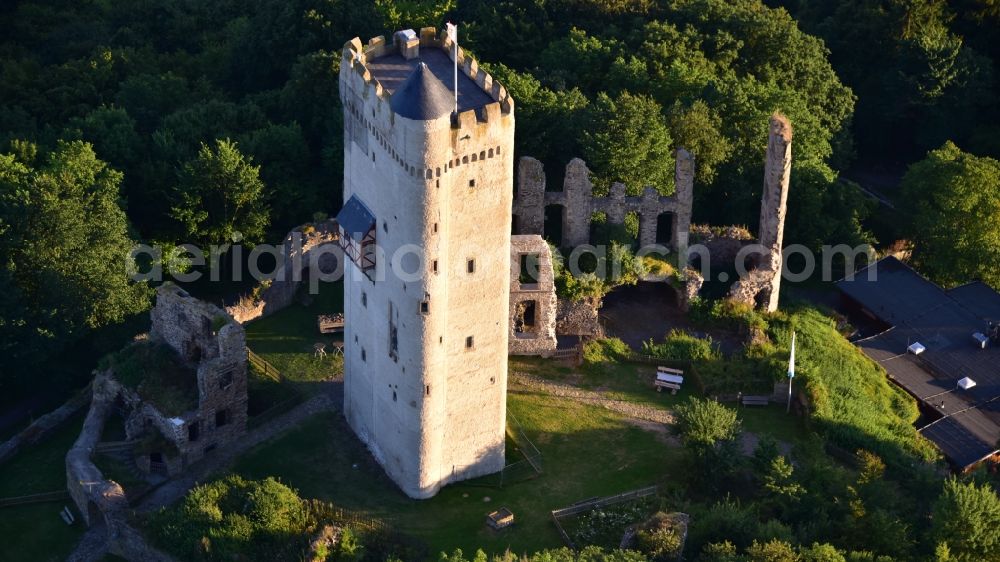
286, 338
35, 532
632, 382
587, 451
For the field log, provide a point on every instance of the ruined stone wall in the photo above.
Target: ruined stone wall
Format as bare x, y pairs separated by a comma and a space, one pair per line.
762, 285
579, 318
212, 344
304, 249
536, 295
98, 500
45, 425
579, 203
720, 245
688, 288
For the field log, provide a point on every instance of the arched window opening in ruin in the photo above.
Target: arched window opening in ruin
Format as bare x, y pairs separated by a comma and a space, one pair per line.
631, 224
525, 318
664, 228
529, 270
192, 353
598, 226
553, 229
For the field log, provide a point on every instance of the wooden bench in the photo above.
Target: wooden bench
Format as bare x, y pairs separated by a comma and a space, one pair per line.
755, 400
668, 378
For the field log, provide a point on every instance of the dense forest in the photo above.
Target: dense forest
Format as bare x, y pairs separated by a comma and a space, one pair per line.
137, 121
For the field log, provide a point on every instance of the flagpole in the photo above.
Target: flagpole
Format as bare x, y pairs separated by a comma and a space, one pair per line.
791, 375
453, 33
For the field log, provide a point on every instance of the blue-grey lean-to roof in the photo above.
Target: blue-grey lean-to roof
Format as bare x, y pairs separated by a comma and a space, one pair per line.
355, 219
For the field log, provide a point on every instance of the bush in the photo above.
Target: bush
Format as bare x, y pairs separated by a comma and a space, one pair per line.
234, 518
606, 350
681, 346
703, 423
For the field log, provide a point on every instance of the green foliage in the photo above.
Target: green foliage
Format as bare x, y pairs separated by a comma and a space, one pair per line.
220, 197
156, 372
605, 350
65, 242
966, 517
234, 517
954, 209
604, 526
627, 140
682, 346
586, 554
779, 482
703, 423
852, 402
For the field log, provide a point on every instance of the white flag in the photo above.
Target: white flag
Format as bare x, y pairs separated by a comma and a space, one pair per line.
452, 31
791, 359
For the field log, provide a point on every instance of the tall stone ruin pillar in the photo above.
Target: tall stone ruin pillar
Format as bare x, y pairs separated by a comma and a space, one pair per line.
774, 202
529, 202
579, 192
684, 191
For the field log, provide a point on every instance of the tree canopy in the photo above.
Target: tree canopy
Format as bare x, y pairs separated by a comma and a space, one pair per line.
953, 202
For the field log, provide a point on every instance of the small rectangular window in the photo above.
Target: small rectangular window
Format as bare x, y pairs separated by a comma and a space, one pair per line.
435, 227
221, 418
225, 380
364, 299
193, 432
425, 307
470, 266
469, 342
472, 183
427, 390
434, 266
364, 356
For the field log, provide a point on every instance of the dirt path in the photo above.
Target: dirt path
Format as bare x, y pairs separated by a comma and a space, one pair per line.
634, 412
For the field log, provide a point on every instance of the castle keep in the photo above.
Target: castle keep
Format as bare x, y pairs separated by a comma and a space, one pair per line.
426, 228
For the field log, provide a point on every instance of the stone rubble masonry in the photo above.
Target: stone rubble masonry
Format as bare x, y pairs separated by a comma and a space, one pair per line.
45, 425
762, 285
579, 318
541, 340
214, 346
425, 359
579, 203
302, 246
691, 282
220, 358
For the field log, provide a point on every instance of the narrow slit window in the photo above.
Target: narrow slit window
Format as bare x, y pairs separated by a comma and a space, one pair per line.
470, 266
469, 342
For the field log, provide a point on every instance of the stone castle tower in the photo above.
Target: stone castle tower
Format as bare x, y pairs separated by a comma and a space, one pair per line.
426, 230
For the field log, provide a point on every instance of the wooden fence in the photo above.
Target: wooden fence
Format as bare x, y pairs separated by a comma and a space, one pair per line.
267, 369
44, 497
588, 505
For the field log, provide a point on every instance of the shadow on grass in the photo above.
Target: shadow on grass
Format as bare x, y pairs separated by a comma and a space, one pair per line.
587, 451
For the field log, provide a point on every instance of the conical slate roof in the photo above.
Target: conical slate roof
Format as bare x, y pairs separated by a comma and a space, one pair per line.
422, 96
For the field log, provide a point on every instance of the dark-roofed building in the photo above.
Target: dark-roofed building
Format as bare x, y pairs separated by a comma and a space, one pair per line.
931, 339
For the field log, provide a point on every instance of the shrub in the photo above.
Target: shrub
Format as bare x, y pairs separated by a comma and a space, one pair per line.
606, 350
703, 423
681, 346
234, 518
